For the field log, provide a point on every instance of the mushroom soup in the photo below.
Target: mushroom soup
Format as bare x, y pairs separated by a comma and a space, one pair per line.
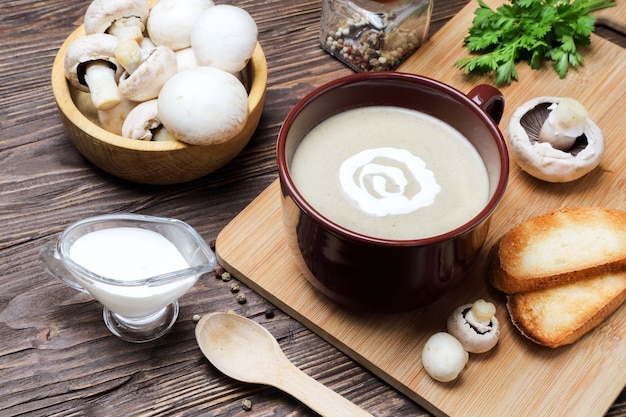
391, 173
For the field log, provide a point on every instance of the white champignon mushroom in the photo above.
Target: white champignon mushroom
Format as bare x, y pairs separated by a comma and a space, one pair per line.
90, 65
203, 106
143, 123
124, 19
443, 357
224, 37
171, 21
146, 81
539, 123
475, 326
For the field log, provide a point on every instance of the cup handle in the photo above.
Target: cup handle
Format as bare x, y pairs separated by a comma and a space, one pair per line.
490, 99
55, 267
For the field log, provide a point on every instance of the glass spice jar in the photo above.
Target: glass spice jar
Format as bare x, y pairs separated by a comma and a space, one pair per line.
370, 35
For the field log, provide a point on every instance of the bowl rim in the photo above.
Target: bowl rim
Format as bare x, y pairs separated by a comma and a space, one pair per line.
378, 77
257, 66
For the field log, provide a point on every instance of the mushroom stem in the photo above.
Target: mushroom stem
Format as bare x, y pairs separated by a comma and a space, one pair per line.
480, 314
100, 78
127, 28
564, 124
130, 55
161, 134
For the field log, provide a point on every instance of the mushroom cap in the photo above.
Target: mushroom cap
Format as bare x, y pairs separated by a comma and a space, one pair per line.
185, 59
102, 13
89, 48
473, 340
443, 357
146, 81
540, 159
203, 106
224, 36
141, 120
171, 21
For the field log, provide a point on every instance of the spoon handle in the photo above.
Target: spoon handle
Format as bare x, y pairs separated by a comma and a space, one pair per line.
315, 395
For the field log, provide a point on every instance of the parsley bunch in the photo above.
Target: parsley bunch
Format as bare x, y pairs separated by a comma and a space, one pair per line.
529, 30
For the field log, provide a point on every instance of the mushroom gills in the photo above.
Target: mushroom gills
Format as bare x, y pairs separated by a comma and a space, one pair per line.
533, 121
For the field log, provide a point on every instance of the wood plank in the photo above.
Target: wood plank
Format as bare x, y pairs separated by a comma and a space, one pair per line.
578, 380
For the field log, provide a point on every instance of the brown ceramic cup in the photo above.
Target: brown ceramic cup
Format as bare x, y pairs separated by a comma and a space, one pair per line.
381, 275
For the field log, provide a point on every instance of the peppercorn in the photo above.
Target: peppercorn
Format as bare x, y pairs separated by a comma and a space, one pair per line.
219, 270
269, 313
246, 404
234, 288
241, 298
226, 276
196, 318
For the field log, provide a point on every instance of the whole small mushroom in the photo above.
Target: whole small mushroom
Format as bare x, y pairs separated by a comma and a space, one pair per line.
90, 66
203, 106
443, 357
554, 139
143, 123
475, 326
124, 19
224, 36
171, 21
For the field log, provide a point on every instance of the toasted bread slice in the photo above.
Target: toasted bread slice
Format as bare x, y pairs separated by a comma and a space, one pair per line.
559, 247
561, 315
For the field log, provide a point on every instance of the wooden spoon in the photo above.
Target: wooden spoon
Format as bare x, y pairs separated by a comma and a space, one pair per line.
246, 351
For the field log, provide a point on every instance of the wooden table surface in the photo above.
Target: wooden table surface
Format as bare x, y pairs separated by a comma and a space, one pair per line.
56, 356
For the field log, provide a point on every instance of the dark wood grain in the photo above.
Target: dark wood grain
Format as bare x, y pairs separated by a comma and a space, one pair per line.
56, 356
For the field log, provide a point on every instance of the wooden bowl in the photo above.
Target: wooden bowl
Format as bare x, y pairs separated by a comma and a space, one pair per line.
150, 162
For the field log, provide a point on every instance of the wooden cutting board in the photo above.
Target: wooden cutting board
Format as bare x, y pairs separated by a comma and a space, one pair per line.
517, 378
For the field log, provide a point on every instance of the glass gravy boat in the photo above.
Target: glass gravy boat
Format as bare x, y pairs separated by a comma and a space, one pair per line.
137, 307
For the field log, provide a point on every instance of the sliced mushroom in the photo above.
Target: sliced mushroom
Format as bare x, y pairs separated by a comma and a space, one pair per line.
203, 106
124, 19
554, 139
171, 21
443, 357
90, 65
145, 82
475, 326
224, 37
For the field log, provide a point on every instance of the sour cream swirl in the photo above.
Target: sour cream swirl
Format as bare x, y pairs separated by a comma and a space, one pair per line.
377, 180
